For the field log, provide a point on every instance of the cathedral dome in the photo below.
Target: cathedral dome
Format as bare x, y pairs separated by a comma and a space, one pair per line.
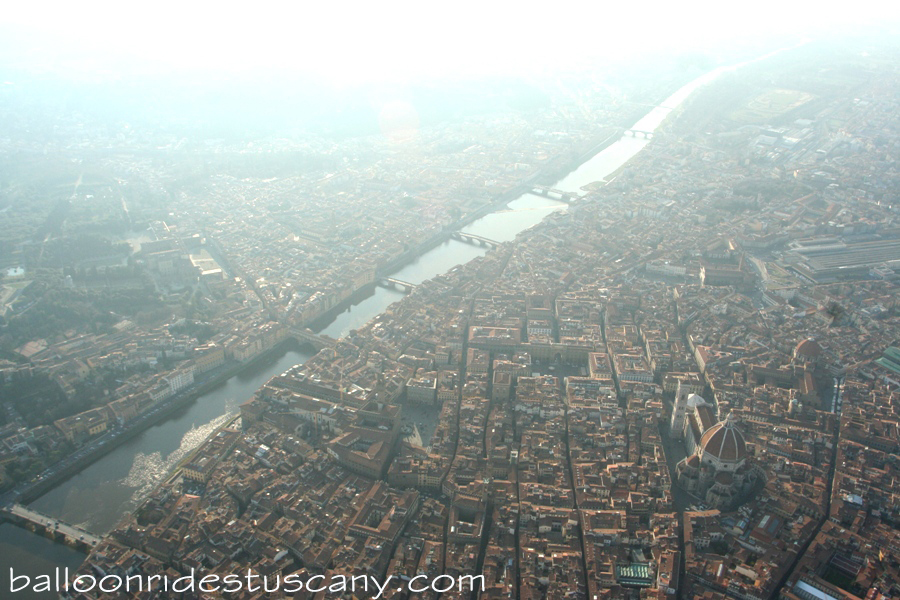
724, 442
808, 349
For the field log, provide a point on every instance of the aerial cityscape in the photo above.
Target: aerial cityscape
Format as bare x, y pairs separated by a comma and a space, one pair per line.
625, 334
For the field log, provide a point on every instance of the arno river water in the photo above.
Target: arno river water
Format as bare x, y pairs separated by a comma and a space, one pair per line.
102, 493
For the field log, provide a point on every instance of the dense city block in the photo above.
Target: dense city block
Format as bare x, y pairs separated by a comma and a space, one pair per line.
683, 382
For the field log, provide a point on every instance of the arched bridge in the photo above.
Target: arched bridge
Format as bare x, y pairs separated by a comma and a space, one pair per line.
307, 336
639, 132
475, 240
554, 194
393, 282
53, 527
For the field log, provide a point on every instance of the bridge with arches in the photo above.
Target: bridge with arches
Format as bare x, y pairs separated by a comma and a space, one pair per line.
307, 336
475, 240
51, 527
554, 194
393, 283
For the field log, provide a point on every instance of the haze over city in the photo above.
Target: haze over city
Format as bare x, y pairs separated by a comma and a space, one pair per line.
512, 301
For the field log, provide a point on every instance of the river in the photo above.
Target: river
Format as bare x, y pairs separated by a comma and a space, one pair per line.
102, 493
98, 496
500, 226
32, 555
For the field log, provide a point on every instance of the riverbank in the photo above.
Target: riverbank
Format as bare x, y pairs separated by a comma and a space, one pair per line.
322, 321
609, 137
176, 470
166, 411
540, 178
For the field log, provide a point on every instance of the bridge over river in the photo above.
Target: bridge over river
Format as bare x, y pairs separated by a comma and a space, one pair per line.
51, 526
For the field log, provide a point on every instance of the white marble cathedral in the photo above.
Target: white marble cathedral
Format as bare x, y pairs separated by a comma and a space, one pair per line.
717, 468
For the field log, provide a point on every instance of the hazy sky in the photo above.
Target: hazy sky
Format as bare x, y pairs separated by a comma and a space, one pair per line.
353, 41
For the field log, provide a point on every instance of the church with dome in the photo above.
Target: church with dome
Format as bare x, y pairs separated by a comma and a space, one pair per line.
717, 468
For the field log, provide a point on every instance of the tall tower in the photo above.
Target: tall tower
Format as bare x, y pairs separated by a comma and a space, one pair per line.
679, 411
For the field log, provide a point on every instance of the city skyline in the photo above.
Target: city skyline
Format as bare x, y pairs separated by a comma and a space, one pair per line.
635, 336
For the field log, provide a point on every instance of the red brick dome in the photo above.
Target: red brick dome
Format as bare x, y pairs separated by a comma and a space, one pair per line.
724, 442
808, 348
